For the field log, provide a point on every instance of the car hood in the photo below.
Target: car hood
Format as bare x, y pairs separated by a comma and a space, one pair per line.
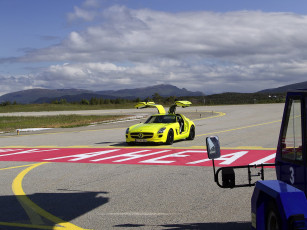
153, 127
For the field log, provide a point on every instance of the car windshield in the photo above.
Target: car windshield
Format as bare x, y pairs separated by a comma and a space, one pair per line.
161, 119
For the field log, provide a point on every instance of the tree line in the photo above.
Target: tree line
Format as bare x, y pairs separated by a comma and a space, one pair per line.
215, 99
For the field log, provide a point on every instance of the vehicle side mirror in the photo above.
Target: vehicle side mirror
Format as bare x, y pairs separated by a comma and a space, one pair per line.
213, 147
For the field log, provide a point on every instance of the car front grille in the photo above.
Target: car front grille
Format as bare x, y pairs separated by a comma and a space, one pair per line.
141, 135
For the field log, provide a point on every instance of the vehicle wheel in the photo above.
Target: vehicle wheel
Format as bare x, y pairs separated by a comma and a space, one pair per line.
170, 137
273, 220
192, 133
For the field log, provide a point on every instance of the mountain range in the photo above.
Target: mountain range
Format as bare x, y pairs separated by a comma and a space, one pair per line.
283, 89
76, 95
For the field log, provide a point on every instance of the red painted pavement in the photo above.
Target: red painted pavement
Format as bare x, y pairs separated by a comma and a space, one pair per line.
144, 156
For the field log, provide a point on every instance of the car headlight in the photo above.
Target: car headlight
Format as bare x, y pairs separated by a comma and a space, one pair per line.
162, 130
127, 130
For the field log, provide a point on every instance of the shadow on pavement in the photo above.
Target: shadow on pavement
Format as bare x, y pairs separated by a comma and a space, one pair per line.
64, 205
199, 226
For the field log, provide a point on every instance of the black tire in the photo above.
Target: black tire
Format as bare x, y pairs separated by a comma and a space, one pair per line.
272, 219
170, 137
192, 133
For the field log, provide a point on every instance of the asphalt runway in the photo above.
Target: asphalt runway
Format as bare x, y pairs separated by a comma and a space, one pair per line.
39, 195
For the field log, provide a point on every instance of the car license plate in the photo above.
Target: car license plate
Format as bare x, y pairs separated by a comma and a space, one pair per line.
140, 140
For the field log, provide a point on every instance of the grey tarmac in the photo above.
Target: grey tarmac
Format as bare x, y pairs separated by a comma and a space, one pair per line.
102, 196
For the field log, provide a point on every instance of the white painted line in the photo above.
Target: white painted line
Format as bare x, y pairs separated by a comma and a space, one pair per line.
32, 129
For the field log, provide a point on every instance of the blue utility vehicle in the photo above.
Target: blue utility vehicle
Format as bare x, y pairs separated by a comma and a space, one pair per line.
276, 204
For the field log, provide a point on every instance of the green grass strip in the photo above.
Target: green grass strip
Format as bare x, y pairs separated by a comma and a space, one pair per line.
61, 107
8, 124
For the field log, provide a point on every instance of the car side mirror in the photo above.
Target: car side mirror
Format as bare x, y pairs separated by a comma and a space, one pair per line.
213, 147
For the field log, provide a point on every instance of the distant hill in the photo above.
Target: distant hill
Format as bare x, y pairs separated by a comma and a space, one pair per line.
31, 95
76, 95
162, 90
284, 89
72, 98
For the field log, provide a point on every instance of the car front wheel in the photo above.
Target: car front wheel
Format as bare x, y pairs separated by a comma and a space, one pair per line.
170, 137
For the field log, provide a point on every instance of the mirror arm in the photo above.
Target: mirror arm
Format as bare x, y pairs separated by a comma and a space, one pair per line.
261, 174
249, 175
215, 175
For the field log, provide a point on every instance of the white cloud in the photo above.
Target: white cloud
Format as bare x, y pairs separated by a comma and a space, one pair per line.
82, 14
16, 83
211, 52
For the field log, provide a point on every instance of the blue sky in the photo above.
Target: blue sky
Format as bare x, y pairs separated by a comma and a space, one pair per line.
202, 45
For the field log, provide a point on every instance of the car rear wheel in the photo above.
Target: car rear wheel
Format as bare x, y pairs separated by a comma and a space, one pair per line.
192, 133
170, 137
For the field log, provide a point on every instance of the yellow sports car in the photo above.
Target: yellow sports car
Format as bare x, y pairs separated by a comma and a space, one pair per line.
162, 127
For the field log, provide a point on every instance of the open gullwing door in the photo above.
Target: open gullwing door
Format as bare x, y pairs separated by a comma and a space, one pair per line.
183, 104
142, 105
